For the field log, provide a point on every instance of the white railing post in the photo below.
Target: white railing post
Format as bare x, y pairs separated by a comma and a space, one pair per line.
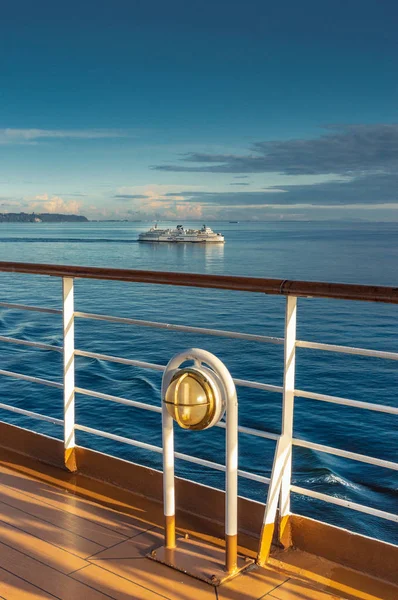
287, 414
69, 373
280, 482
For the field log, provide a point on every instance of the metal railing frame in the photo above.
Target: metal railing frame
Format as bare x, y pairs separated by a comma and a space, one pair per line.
290, 289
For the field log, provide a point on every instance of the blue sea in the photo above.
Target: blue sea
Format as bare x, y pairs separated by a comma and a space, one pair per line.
361, 252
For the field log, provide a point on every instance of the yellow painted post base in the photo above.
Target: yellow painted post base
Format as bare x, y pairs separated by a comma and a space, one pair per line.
170, 531
285, 532
70, 459
231, 553
267, 534
200, 560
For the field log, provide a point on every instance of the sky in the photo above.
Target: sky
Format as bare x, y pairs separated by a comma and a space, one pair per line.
210, 110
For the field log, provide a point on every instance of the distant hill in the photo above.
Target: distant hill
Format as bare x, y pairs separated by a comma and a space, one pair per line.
39, 218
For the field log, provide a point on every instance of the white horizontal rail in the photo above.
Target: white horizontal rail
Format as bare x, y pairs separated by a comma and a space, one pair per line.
345, 454
259, 386
179, 455
158, 409
249, 431
50, 311
32, 415
32, 379
347, 350
122, 361
345, 401
184, 328
39, 345
346, 503
119, 438
146, 365
118, 399
254, 432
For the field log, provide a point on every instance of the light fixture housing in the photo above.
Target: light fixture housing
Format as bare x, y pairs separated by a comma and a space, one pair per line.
195, 398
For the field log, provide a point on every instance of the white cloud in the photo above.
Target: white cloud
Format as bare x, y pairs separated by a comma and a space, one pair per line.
54, 204
21, 136
159, 201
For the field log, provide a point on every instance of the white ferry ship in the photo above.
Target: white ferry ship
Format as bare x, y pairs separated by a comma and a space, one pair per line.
204, 235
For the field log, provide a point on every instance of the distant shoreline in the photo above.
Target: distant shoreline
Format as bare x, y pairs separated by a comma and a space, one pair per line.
40, 218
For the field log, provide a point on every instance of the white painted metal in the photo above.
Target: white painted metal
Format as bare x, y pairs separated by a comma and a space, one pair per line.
123, 361
355, 403
32, 415
32, 344
69, 363
254, 477
51, 311
178, 455
281, 459
228, 388
346, 503
118, 399
347, 350
146, 365
250, 431
288, 400
218, 467
387, 464
168, 461
32, 379
150, 407
231, 484
185, 328
259, 386
119, 438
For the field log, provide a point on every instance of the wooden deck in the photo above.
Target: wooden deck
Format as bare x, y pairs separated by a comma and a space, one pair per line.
55, 544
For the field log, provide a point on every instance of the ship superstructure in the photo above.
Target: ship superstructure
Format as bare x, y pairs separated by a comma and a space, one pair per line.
205, 235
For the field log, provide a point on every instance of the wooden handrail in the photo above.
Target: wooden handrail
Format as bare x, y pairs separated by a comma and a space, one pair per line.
279, 287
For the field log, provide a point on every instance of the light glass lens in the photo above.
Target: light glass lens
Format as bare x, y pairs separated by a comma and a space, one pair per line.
187, 401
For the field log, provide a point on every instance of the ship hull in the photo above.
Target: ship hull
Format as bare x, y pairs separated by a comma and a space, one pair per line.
183, 240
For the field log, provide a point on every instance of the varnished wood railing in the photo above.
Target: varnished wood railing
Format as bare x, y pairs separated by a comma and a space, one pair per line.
279, 287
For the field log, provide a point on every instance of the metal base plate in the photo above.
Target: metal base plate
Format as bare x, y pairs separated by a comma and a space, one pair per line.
200, 560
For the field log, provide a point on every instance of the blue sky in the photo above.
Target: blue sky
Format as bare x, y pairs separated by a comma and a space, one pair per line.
211, 109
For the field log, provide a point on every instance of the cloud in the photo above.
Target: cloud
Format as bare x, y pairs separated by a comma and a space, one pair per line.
370, 189
239, 184
130, 196
343, 150
72, 195
158, 201
54, 204
21, 136
241, 177
10, 203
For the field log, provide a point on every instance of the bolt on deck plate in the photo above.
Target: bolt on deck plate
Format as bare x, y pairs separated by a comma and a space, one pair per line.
200, 560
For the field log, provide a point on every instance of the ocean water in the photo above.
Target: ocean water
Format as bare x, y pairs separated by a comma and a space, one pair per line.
329, 251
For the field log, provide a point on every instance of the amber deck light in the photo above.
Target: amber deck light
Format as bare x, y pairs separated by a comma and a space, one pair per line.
196, 398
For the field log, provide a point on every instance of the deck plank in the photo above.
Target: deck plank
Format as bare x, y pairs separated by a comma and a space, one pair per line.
297, 590
334, 578
252, 585
44, 553
15, 588
61, 518
68, 541
112, 584
129, 560
46, 578
137, 547
37, 548
76, 505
